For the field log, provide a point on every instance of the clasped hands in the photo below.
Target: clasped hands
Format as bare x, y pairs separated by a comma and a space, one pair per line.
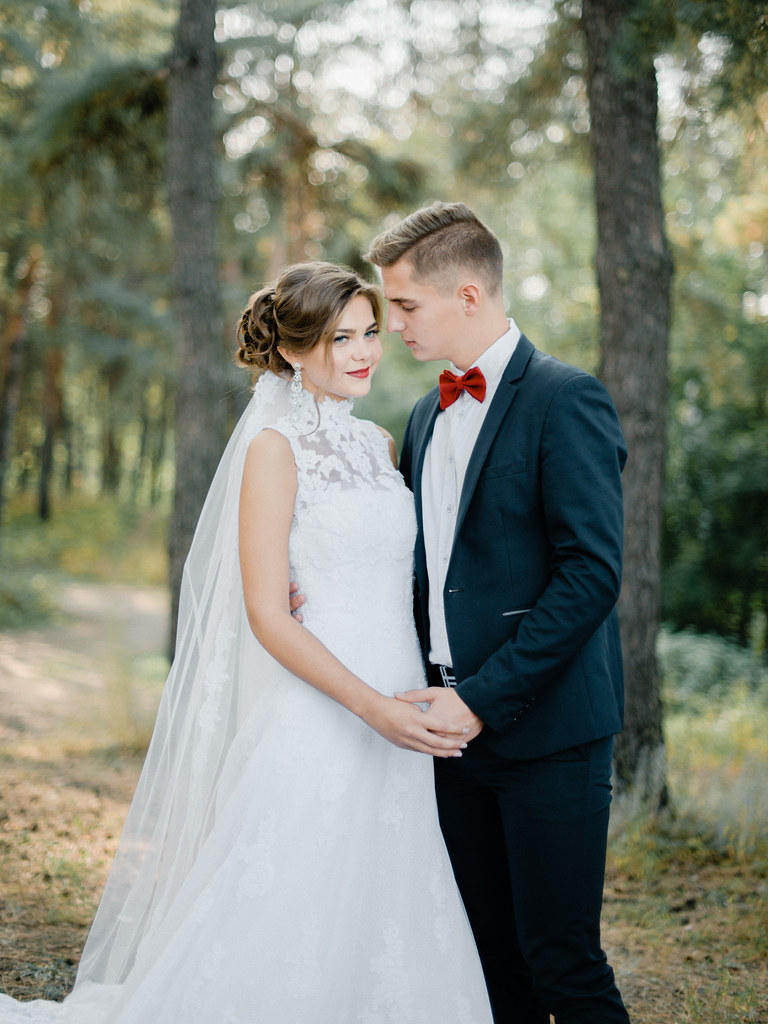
444, 729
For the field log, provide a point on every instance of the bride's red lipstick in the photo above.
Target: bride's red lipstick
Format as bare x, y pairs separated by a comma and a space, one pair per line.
362, 374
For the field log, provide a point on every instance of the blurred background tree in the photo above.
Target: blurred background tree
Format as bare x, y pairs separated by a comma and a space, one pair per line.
193, 186
329, 120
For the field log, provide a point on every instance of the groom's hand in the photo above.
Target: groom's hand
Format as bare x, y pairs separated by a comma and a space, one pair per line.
447, 706
408, 727
295, 601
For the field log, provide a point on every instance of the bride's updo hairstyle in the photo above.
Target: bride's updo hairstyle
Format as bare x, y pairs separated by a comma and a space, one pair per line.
300, 310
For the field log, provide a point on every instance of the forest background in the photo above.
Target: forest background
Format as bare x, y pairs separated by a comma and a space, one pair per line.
330, 121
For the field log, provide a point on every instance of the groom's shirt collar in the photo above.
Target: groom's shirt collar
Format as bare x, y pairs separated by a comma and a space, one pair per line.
494, 359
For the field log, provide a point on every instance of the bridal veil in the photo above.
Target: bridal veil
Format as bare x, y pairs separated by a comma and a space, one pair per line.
202, 703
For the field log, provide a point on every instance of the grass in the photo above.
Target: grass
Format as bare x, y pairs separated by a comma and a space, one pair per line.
59, 828
687, 894
91, 539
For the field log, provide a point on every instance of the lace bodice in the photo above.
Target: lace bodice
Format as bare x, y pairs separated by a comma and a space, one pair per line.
335, 450
353, 531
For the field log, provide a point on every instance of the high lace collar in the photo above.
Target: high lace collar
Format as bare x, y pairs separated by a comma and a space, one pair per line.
334, 408
330, 409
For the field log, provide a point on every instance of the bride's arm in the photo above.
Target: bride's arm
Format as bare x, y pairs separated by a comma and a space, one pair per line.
267, 499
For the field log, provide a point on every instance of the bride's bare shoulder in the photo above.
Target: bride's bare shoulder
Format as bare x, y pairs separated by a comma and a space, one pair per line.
269, 458
390, 444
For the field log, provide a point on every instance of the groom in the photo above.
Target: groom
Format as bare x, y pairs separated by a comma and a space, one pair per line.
515, 463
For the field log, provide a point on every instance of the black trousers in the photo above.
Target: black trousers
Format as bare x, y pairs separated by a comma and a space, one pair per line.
527, 842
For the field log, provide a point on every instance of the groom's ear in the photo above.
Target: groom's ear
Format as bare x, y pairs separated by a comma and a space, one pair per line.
470, 297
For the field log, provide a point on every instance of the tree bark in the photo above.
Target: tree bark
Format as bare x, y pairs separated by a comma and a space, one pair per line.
52, 417
192, 188
111, 468
634, 271
14, 341
159, 448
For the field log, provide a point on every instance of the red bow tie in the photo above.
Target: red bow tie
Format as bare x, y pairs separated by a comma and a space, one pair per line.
451, 386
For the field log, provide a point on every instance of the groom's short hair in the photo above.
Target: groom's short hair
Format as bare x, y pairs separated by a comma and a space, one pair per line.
438, 240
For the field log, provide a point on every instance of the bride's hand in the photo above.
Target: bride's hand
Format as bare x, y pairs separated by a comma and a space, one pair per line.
447, 707
407, 726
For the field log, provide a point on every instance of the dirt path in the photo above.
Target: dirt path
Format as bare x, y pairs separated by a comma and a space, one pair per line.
94, 676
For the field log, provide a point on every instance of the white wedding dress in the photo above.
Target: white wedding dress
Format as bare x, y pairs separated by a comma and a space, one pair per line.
315, 886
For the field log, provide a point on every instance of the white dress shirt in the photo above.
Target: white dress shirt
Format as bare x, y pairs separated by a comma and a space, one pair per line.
445, 466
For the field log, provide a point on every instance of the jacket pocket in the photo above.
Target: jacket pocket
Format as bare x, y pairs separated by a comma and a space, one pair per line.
504, 469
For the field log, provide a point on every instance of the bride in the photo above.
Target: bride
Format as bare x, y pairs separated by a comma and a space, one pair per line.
282, 861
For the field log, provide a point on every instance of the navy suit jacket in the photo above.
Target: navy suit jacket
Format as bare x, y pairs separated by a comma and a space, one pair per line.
535, 569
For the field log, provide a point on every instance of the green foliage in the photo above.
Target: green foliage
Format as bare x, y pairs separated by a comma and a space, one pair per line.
25, 600
733, 34
716, 733
740, 27
702, 671
716, 526
98, 539
327, 131
715, 534
115, 107
81, 186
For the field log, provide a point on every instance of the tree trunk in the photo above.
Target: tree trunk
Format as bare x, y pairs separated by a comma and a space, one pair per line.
54, 362
158, 451
111, 454
14, 339
192, 190
138, 470
634, 271
53, 403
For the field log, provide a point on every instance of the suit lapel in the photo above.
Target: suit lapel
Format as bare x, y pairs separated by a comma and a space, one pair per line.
505, 395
